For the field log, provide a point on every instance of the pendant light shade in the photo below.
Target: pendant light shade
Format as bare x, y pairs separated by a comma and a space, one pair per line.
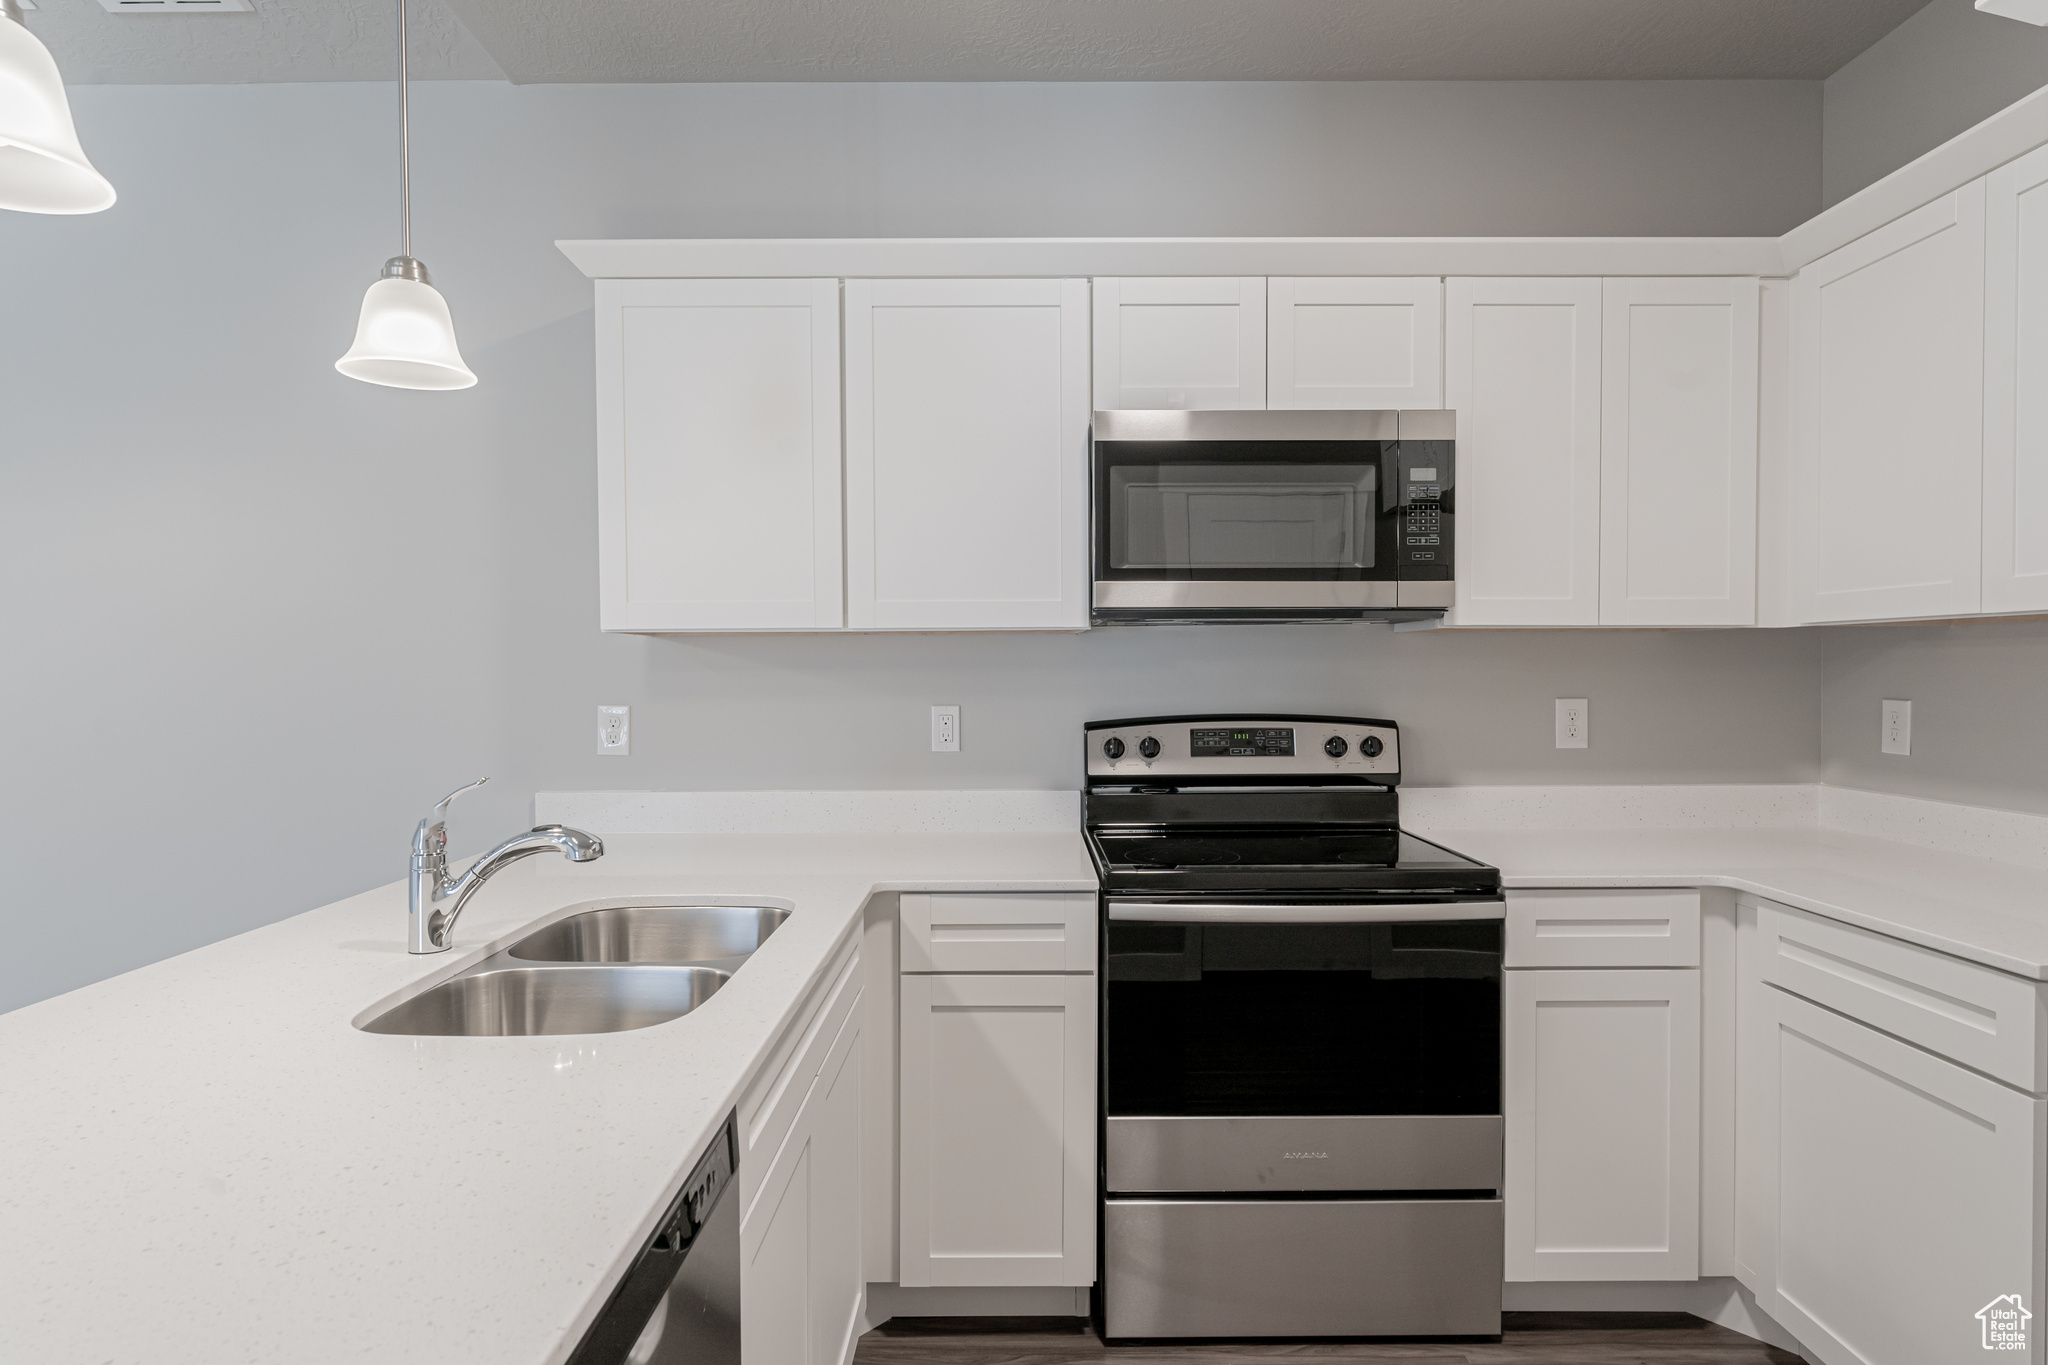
405, 338
42, 167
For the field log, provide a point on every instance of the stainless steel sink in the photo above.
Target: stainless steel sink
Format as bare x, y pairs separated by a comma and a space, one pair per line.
525, 1001
653, 933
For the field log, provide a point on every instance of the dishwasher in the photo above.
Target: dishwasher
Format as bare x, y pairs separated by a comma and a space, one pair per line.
679, 1303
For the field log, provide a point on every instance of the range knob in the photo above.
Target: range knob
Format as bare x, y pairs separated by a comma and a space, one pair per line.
1335, 746
1149, 747
1370, 746
1112, 748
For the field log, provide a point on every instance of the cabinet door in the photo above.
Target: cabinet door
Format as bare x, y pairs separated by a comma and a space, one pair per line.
718, 455
1522, 370
1603, 1123
2016, 386
1888, 410
1908, 1193
967, 454
1180, 343
1355, 343
1678, 436
801, 1285
998, 1130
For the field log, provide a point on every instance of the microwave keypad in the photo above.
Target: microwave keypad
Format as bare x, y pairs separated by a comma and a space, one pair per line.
1425, 517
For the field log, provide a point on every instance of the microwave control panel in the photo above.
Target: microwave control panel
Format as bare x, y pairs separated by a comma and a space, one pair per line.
1424, 510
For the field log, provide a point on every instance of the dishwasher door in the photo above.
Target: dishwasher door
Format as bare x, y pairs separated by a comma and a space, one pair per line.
680, 1302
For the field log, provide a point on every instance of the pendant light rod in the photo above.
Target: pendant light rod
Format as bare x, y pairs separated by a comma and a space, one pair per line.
9, 9
404, 140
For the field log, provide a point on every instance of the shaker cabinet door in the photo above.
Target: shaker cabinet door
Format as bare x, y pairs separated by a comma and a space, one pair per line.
998, 1129
1678, 439
1180, 343
1522, 371
2016, 386
1603, 1125
1355, 343
718, 454
967, 416
1888, 419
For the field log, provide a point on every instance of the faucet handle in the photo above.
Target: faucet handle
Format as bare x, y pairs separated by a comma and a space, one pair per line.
441, 807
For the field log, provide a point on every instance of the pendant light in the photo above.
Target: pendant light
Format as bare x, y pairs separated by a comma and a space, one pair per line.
404, 337
42, 167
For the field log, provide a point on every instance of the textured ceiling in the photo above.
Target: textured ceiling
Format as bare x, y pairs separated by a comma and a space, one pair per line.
978, 40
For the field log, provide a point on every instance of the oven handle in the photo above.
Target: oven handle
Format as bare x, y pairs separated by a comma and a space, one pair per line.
1182, 912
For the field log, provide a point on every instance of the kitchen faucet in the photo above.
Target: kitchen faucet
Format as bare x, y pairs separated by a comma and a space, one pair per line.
432, 930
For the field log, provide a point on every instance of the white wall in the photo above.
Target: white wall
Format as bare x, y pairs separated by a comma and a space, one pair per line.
1944, 70
257, 617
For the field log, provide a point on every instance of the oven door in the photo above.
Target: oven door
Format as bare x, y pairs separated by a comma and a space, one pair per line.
1357, 1050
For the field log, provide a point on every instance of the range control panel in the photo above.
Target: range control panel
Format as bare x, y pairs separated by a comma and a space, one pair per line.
1275, 748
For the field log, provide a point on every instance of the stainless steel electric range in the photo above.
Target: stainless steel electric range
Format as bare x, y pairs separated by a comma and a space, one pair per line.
1301, 1034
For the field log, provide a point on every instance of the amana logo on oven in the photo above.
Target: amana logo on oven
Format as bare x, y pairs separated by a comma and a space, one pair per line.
1304, 1156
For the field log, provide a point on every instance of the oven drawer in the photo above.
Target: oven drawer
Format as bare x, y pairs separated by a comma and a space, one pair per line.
999, 933
1603, 929
1977, 1015
1204, 1155
1301, 1267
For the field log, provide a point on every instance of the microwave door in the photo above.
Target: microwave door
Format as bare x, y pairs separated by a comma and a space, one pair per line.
1197, 521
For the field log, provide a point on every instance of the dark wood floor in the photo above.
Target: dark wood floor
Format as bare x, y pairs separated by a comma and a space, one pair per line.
1527, 1339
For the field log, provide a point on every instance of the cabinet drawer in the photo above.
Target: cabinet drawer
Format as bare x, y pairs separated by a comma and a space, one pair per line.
1976, 1015
769, 1104
1603, 929
998, 933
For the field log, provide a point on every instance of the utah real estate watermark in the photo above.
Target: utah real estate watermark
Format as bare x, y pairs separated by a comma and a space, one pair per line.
2005, 1321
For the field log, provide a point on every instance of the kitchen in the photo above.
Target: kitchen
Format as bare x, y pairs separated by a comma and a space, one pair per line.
304, 633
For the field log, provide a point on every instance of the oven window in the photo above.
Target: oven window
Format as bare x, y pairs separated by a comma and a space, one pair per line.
1251, 1020
1183, 518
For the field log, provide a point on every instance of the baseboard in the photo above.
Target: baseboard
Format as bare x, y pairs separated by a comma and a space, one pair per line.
886, 1301
1721, 1300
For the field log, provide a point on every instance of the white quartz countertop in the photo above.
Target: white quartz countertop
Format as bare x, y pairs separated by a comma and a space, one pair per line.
204, 1161
1991, 912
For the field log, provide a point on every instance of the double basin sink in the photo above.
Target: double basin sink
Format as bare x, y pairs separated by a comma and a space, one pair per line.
601, 971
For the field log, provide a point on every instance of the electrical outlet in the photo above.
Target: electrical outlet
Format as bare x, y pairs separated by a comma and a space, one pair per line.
1572, 722
1895, 735
615, 730
945, 729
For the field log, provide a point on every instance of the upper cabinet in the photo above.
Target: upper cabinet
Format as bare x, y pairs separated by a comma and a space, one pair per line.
1180, 343
1355, 343
967, 415
1888, 419
1522, 371
718, 454
2015, 398
1678, 439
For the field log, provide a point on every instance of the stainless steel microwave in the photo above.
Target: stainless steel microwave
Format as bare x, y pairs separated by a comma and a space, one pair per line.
1274, 516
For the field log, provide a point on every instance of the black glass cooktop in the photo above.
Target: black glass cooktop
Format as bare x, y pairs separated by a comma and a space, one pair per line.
1270, 859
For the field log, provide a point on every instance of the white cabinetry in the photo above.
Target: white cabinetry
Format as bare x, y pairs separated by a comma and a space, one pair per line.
1522, 370
967, 413
1678, 439
800, 1179
997, 1095
1180, 343
1888, 419
1355, 343
2016, 386
1886, 1194
1603, 1085
718, 454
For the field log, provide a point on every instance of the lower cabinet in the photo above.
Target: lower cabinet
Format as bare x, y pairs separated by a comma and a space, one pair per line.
1603, 1124
997, 1129
801, 1285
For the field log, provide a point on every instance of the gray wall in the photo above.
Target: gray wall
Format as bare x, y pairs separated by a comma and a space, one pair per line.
1944, 70
258, 617
1980, 710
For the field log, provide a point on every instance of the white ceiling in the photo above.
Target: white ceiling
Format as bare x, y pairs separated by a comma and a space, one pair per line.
976, 40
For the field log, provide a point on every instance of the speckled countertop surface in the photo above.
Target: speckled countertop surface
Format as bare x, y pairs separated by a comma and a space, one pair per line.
205, 1162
